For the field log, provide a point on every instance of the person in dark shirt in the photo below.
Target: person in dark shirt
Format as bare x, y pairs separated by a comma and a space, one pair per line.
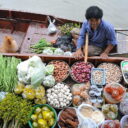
102, 37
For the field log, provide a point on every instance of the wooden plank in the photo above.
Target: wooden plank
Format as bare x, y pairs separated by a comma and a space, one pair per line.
67, 58
17, 35
35, 32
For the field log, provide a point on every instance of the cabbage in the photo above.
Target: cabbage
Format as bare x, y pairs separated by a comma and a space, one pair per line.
58, 51
31, 71
49, 69
68, 53
49, 81
48, 51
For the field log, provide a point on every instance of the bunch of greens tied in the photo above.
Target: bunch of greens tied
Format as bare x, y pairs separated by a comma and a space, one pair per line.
40, 46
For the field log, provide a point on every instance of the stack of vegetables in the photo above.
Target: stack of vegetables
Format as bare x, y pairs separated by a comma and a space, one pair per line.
46, 48
35, 82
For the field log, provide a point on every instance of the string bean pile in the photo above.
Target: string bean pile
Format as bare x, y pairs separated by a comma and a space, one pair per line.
8, 73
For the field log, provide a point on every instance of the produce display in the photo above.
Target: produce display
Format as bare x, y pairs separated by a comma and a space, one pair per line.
80, 94
114, 93
110, 111
68, 118
113, 72
98, 76
84, 100
43, 116
81, 72
61, 70
59, 96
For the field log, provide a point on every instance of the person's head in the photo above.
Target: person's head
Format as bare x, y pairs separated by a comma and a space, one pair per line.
94, 15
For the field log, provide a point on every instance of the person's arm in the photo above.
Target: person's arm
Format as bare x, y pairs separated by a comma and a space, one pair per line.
107, 51
80, 42
111, 41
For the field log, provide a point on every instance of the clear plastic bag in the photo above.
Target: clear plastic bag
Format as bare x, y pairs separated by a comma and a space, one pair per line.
51, 28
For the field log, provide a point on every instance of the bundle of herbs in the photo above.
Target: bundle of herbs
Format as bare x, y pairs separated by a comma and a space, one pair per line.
40, 46
14, 111
8, 73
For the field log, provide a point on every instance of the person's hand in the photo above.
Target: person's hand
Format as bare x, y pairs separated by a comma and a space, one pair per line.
78, 54
104, 55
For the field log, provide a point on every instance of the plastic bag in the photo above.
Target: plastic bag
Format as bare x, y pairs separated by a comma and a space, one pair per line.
31, 71
51, 28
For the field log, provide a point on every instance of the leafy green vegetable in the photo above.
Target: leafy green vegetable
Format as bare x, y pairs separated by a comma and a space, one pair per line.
58, 51
49, 69
8, 73
66, 28
39, 46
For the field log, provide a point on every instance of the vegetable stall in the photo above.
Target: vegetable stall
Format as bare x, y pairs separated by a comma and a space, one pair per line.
48, 88
58, 93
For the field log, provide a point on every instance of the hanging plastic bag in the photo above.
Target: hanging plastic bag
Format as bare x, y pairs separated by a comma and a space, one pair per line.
51, 28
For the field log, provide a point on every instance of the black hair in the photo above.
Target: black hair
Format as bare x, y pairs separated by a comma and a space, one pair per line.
94, 12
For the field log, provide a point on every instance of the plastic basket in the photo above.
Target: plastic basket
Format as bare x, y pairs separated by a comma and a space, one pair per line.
66, 76
71, 70
42, 105
93, 82
123, 64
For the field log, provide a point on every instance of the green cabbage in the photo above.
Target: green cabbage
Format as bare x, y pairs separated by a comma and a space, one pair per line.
58, 51
49, 69
49, 81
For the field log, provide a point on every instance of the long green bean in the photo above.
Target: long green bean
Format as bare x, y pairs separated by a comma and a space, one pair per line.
8, 73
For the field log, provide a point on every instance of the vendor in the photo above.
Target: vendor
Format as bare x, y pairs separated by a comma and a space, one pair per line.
101, 35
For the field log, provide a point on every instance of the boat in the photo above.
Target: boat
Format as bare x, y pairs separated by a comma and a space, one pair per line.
29, 28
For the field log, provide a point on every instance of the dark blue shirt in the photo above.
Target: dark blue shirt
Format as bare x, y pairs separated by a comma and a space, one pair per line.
102, 36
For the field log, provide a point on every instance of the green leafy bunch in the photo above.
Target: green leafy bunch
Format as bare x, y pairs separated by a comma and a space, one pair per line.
67, 28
